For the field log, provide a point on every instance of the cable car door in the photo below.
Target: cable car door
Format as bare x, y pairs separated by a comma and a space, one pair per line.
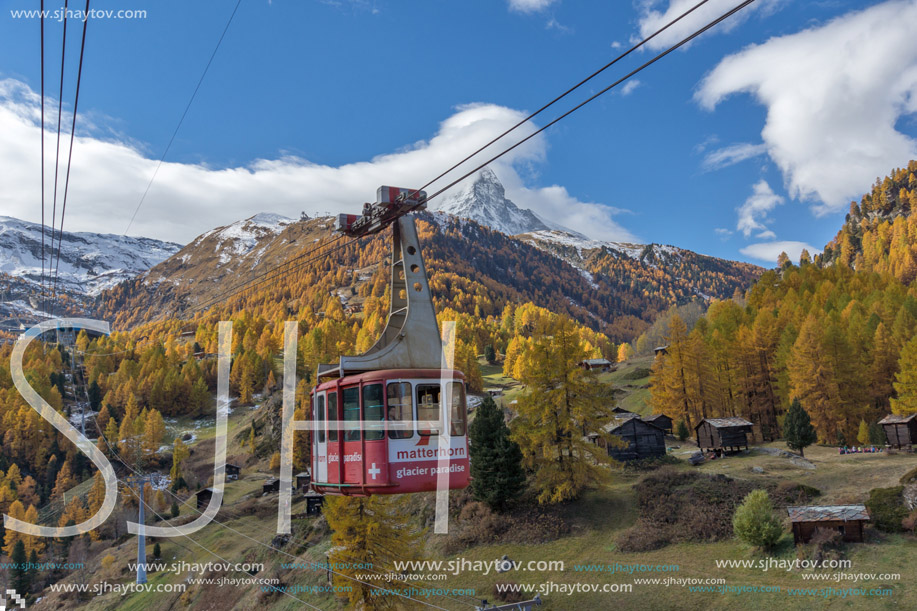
319, 434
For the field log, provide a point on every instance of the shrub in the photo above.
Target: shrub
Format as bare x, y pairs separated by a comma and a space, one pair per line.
507, 592
886, 508
910, 476
681, 431
641, 538
794, 493
755, 523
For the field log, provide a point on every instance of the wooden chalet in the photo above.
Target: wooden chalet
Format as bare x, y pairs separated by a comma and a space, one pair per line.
644, 439
662, 421
593, 364
722, 434
849, 520
900, 431
314, 502
619, 411
302, 481
203, 498
233, 472
661, 350
271, 485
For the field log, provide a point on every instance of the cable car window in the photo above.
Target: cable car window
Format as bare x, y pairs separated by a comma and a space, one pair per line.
457, 418
352, 414
373, 409
333, 416
400, 412
320, 417
428, 407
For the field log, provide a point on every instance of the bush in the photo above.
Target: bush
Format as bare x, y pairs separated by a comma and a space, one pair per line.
641, 538
826, 544
637, 374
886, 508
507, 592
794, 493
910, 476
755, 522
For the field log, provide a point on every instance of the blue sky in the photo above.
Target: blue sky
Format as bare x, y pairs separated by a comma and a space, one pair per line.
758, 133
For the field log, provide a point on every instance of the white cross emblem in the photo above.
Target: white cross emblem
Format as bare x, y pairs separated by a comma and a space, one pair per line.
14, 597
373, 471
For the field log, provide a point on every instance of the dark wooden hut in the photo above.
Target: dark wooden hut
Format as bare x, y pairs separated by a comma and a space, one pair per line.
314, 502
596, 364
233, 472
203, 498
849, 520
644, 439
900, 431
303, 480
271, 485
662, 421
723, 434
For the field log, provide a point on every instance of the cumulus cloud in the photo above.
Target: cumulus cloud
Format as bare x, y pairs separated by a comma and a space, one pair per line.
769, 251
754, 212
530, 6
629, 87
109, 175
732, 154
834, 95
653, 16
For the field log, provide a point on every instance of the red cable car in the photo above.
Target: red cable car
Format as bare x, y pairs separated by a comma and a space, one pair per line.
392, 420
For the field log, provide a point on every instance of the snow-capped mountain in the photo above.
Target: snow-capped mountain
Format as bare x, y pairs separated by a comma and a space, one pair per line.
89, 262
484, 200
568, 242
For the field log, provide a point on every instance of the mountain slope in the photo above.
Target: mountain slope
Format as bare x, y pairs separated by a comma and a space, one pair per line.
89, 262
472, 269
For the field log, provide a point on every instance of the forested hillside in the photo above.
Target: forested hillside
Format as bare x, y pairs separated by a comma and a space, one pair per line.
837, 334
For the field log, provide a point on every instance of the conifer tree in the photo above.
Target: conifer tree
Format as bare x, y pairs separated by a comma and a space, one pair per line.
372, 531
20, 578
562, 402
496, 460
681, 431
797, 428
863, 433
906, 380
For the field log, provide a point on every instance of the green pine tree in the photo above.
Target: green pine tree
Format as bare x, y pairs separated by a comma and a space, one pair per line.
496, 460
797, 428
876, 434
681, 431
20, 578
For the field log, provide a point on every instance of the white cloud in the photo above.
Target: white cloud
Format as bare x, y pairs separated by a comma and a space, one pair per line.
834, 95
753, 213
769, 251
616, 44
654, 17
732, 154
530, 6
109, 176
767, 234
723, 231
629, 87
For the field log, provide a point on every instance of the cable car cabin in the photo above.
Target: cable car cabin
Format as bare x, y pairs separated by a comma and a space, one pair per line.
377, 432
